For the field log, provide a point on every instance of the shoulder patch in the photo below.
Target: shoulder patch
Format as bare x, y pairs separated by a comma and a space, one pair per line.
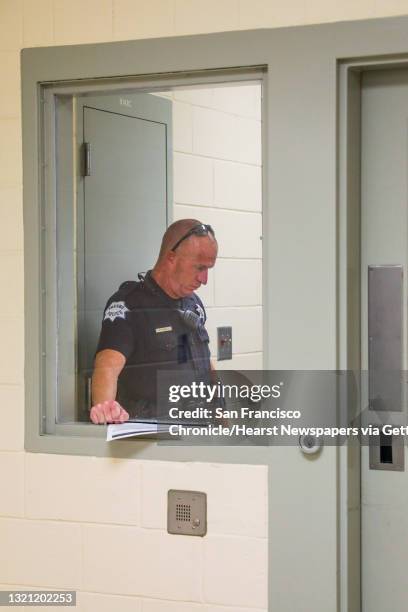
116, 310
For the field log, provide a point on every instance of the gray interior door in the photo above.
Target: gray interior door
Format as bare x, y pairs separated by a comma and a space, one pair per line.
384, 223
123, 211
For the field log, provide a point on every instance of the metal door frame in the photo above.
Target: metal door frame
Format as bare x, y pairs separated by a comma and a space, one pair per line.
349, 258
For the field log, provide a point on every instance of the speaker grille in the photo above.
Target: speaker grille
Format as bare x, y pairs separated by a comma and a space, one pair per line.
183, 512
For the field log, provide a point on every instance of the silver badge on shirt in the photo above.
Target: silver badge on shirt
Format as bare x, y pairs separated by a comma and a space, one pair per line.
116, 310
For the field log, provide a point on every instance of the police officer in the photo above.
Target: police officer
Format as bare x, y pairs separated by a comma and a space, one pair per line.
155, 325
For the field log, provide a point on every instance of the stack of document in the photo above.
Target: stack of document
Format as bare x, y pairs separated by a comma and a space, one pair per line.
131, 429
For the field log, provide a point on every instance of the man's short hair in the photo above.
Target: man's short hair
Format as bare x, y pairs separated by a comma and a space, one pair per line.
174, 232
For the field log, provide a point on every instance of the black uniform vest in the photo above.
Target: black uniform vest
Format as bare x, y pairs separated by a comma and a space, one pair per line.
163, 350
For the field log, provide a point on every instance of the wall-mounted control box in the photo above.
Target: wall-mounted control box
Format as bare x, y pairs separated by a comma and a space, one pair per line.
186, 512
224, 343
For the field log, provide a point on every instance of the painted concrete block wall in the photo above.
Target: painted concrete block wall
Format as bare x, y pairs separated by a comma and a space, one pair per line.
218, 179
68, 521
56, 536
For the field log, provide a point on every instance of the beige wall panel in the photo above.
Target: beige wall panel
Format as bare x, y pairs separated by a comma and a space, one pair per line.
239, 234
141, 562
242, 100
92, 489
222, 483
248, 293
267, 14
82, 22
94, 602
10, 153
193, 180
43, 553
237, 186
195, 16
11, 276
182, 127
171, 606
142, 18
12, 484
11, 218
320, 11
38, 23
12, 359
12, 400
11, 24
235, 571
384, 8
225, 136
10, 104
248, 141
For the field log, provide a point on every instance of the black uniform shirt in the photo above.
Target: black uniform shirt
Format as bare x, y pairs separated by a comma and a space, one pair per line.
146, 325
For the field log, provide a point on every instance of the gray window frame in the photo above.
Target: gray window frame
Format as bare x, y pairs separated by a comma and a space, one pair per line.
55, 194
63, 200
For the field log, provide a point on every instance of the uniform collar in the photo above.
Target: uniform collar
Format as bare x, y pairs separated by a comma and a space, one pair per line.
156, 289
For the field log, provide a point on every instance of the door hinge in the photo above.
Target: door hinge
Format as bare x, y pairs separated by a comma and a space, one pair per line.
86, 159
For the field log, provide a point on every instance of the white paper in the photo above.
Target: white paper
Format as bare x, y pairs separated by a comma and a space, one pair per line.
118, 431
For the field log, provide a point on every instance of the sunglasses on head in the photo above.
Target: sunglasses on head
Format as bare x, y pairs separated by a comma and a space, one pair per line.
201, 229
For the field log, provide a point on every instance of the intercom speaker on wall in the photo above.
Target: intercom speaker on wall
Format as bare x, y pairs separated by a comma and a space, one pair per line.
186, 512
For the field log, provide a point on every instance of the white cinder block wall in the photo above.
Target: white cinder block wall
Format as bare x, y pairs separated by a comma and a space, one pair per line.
97, 525
218, 179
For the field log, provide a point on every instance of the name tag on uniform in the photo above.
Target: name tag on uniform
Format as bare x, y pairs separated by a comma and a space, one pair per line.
159, 330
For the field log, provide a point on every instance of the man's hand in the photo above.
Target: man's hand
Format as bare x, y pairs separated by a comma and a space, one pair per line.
108, 412
108, 366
